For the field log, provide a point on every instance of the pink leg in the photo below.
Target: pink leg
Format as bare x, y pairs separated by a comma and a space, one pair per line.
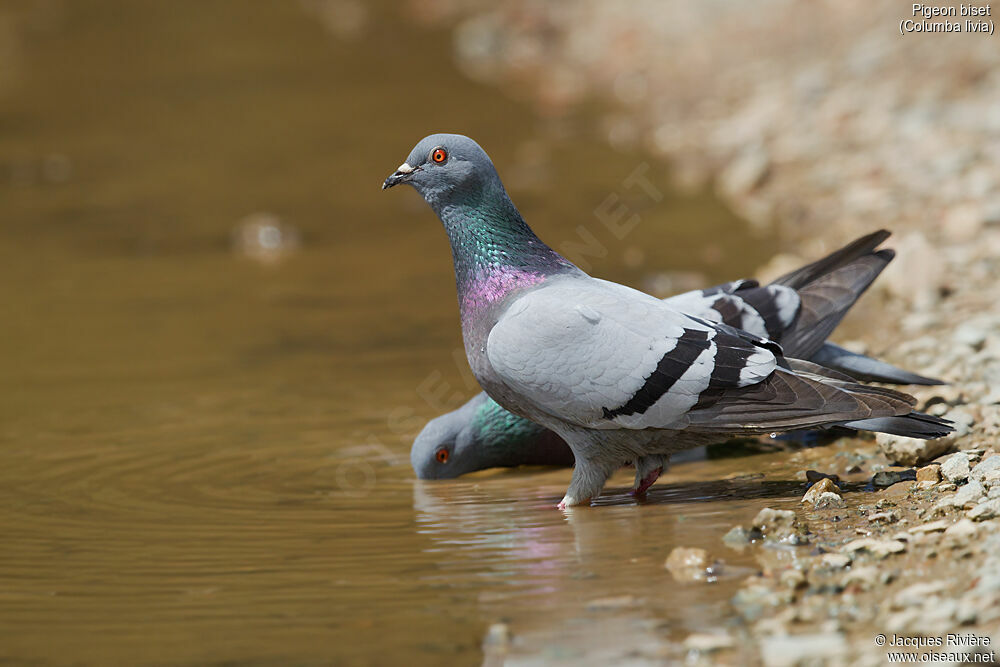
647, 481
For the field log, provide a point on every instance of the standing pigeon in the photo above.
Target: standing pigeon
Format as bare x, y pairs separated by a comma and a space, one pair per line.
481, 434
616, 373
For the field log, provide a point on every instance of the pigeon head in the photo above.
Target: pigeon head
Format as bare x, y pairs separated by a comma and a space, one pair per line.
449, 445
481, 435
443, 166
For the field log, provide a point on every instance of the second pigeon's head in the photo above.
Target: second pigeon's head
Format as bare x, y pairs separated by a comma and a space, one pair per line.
443, 166
449, 445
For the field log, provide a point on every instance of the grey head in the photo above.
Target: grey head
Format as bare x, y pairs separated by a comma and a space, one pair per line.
442, 167
481, 435
447, 447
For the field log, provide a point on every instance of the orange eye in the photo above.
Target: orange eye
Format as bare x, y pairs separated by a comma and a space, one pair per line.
441, 455
439, 155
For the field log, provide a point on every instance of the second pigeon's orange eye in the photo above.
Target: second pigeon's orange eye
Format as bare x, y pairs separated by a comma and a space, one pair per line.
442, 455
439, 155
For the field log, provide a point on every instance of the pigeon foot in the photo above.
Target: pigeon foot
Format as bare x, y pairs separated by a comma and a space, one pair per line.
647, 481
569, 501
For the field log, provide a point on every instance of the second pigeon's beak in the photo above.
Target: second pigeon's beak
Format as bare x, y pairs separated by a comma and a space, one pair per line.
401, 175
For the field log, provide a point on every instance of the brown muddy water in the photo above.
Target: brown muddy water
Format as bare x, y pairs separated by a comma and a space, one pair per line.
204, 443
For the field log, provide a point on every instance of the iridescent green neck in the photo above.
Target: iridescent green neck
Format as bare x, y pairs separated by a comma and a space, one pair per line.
494, 250
504, 439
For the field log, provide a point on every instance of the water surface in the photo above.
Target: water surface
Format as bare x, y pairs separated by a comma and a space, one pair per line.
204, 451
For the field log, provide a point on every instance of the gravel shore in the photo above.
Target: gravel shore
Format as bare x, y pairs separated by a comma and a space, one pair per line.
821, 122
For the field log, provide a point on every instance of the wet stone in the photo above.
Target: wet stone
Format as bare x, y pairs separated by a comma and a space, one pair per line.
737, 538
688, 564
813, 476
886, 478
777, 525
823, 493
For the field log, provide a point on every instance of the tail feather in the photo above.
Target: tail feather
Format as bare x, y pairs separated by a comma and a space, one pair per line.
789, 400
860, 367
827, 299
913, 425
810, 272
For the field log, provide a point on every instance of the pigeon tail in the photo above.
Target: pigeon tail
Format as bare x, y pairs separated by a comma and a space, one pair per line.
861, 367
803, 399
913, 425
854, 250
827, 299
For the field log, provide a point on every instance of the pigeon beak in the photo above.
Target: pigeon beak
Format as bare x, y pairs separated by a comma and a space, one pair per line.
401, 175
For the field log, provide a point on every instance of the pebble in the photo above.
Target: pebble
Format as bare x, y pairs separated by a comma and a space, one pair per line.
737, 538
835, 561
985, 510
813, 476
828, 499
963, 422
930, 473
793, 578
824, 486
497, 635
896, 490
956, 467
915, 595
787, 650
911, 451
265, 238
876, 547
885, 478
865, 577
777, 525
932, 527
991, 464
708, 642
970, 334
960, 533
969, 495
943, 505
688, 564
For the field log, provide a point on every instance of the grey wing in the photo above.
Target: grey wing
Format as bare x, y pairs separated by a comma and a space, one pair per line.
767, 311
602, 355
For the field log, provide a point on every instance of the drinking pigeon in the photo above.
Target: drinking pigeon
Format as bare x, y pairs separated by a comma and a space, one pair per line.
481, 434
618, 374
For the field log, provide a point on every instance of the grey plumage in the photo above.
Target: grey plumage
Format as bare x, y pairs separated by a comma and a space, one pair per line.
618, 374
